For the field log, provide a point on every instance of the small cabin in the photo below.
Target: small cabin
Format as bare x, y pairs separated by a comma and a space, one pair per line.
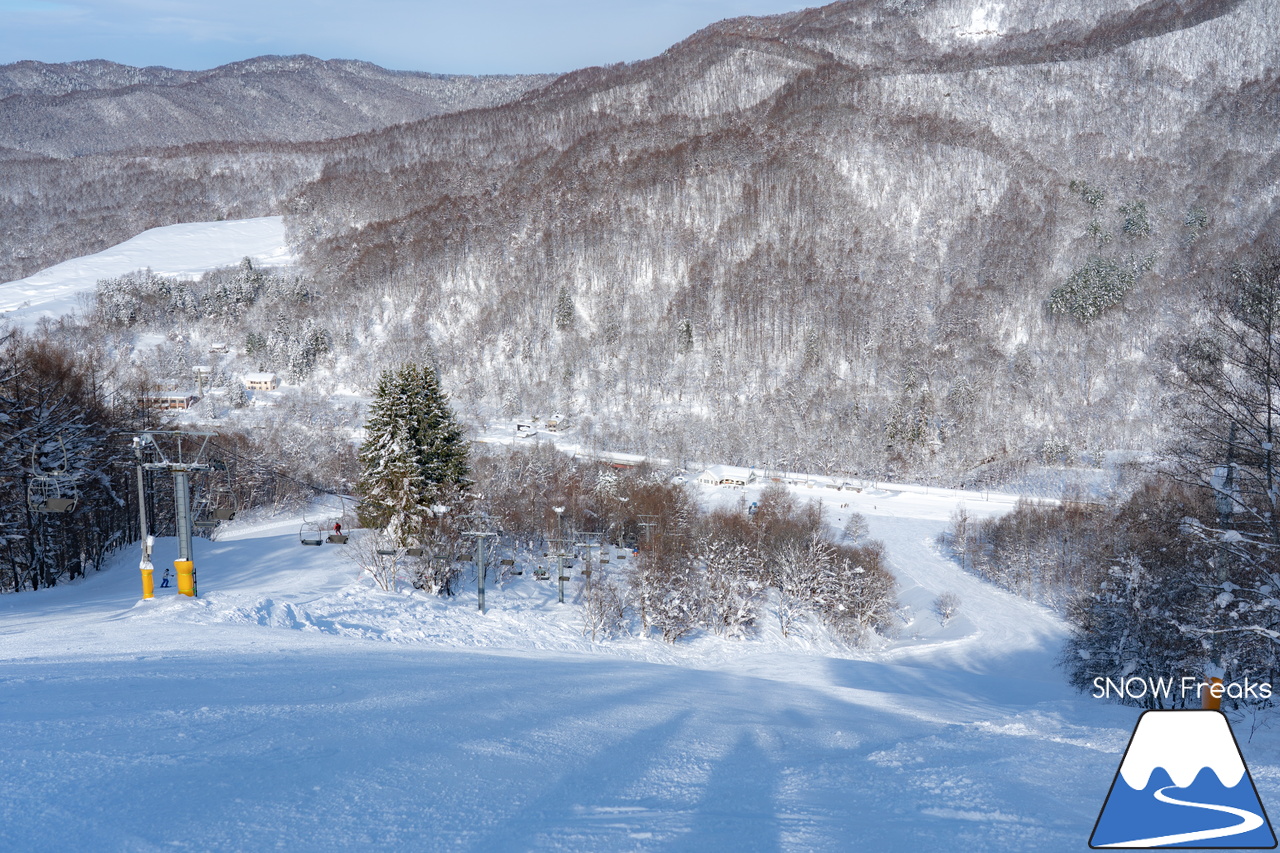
219, 348
261, 381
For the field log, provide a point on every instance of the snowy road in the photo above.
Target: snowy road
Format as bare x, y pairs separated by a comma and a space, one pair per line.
290, 708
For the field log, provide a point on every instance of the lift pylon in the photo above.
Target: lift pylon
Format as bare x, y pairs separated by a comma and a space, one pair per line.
180, 454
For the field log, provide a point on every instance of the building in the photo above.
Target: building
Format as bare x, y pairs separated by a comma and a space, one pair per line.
727, 475
261, 381
169, 400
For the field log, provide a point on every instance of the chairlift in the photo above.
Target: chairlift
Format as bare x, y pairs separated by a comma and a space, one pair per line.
337, 537
310, 534
201, 513
225, 509
54, 492
218, 503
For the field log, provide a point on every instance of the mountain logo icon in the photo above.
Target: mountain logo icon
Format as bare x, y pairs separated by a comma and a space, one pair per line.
1183, 783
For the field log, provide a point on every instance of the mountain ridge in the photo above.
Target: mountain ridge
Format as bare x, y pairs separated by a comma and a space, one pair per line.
95, 107
774, 246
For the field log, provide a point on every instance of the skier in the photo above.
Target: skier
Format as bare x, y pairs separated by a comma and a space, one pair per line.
164, 581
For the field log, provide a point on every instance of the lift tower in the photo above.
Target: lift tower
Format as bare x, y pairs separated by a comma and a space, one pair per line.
180, 454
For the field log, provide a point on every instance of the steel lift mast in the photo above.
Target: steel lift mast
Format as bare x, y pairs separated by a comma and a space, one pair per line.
181, 460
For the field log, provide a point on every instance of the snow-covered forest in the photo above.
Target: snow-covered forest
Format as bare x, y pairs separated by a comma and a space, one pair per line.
781, 243
973, 309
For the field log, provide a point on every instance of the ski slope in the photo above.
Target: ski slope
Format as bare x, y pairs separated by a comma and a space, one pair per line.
294, 706
184, 251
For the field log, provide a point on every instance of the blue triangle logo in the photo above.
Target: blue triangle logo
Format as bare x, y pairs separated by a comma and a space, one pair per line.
1183, 783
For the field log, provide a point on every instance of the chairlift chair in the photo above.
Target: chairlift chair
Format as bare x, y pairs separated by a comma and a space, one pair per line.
337, 537
219, 503
54, 492
309, 534
214, 517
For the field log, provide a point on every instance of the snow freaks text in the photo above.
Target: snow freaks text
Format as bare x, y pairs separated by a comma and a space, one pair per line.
1187, 687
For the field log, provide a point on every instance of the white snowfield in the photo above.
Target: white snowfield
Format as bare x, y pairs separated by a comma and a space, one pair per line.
294, 706
184, 251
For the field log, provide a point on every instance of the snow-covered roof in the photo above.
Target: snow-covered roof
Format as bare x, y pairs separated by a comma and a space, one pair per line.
720, 473
260, 377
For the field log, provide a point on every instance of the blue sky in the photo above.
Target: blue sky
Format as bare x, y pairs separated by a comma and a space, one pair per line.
452, 36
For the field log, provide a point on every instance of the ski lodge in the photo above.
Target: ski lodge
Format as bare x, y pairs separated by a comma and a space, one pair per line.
727, 475
169, 400
261, 381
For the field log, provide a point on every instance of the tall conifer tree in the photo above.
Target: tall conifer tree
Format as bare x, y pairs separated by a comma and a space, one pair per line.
414, 453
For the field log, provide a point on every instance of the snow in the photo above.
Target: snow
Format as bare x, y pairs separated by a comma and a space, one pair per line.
294, 705
184, 251
984, 22
1183, 744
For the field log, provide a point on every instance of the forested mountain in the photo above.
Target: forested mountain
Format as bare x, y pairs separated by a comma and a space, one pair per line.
935, 238
73, 109
932, 237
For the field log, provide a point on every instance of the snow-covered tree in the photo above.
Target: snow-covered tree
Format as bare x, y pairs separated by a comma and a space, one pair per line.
734, 593
1228, 378
674, 591
603, 607
414, 455
854, 593
1127, 626
56, 440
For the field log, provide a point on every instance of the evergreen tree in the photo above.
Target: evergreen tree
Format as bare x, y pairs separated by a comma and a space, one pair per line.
414, 453
565, 312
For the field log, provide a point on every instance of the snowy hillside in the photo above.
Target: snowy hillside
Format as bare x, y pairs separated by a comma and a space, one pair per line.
177, 251
293, 705
76, 109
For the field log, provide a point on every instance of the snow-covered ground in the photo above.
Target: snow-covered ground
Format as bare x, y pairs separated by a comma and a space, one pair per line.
181, 251
293, 706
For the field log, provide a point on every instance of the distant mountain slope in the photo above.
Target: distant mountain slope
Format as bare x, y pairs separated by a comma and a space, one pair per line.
823, 240
81, 108
830, 237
